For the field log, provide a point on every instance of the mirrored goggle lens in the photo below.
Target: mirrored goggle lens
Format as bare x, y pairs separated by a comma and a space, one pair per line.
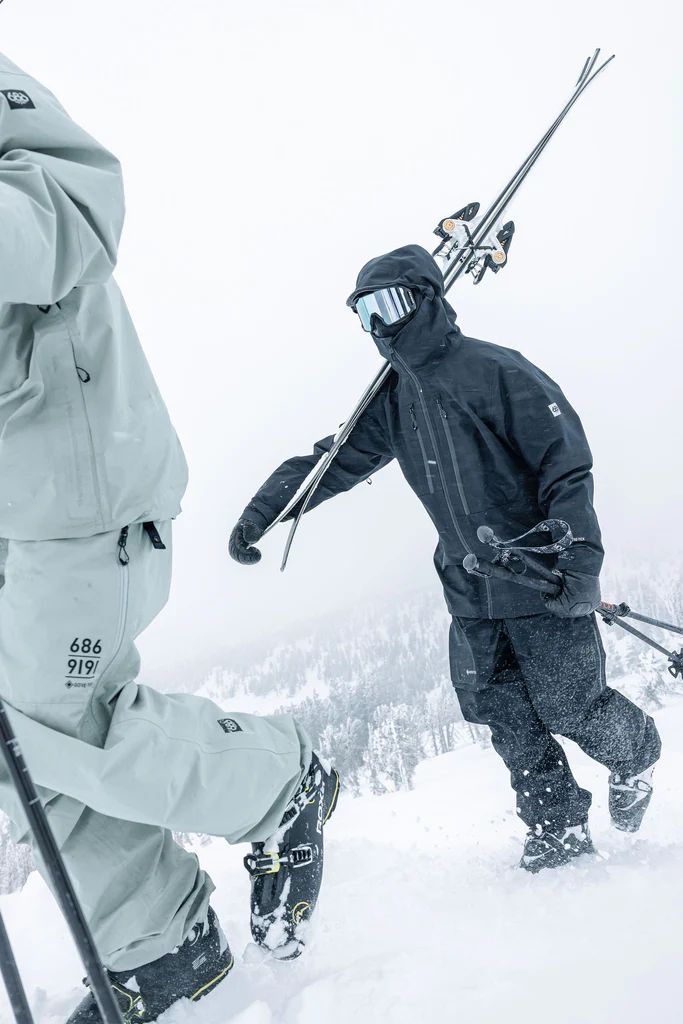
391, 305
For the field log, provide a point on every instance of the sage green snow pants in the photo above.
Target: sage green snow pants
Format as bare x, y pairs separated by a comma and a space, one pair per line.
119, 765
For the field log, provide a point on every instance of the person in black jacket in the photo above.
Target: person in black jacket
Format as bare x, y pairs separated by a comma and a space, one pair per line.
484, 437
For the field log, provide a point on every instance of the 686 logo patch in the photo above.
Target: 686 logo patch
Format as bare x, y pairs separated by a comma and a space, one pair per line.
229, 725
84, 662
18, 99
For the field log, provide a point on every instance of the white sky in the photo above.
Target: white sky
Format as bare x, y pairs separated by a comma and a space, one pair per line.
271, 149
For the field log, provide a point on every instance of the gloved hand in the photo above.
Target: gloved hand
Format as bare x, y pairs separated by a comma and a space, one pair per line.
242, 539
580, 595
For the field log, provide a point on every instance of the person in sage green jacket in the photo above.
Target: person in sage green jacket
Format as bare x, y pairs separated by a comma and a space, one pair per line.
91, 475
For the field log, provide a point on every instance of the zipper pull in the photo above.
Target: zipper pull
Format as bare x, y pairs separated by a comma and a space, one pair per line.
124, 557
413, 420
154, 536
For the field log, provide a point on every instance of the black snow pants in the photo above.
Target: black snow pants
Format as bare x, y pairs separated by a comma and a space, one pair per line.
529, 677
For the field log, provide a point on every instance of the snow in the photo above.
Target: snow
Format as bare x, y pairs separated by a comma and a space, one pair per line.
241, 699
425, 916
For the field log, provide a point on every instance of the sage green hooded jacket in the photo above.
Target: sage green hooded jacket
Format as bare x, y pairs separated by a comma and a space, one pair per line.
86, 443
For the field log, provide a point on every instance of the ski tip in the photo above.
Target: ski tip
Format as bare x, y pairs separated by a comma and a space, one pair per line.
581, 77
589, 70
597, 71
588, 66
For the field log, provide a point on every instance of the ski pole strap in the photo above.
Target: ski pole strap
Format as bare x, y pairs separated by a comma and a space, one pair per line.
486, 536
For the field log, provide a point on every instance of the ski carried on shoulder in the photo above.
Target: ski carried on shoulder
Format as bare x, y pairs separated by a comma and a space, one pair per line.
470, 243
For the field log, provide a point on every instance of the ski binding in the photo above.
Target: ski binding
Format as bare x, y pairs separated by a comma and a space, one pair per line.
457, 232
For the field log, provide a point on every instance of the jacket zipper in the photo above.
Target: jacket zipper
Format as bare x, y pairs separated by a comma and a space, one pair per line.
428, 469
454, 457
432, 437
93, 459
123, 560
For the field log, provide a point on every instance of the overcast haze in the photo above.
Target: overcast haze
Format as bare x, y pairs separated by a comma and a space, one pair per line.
270, 150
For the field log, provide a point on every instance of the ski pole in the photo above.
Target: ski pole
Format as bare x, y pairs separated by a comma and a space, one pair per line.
612, 614
56, 872
12, 979
547, 582
302, 499
480, 567
650, 622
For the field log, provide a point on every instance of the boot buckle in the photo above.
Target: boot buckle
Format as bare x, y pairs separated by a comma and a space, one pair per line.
262, 864
301, 856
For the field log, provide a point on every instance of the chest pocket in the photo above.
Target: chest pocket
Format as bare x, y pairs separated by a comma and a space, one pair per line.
479, 463
47, 461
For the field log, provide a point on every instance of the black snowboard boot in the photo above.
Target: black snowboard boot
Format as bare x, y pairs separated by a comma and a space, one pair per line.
629, 798
286, 871
189, 972
551, 848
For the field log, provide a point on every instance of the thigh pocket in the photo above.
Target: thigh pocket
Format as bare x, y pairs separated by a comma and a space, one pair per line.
463, 666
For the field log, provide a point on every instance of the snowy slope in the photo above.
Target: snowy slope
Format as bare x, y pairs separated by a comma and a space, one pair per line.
425, 917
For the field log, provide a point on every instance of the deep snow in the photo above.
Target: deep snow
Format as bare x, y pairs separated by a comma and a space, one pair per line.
425, 917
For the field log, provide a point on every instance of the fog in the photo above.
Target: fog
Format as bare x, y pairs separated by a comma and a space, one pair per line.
271, 149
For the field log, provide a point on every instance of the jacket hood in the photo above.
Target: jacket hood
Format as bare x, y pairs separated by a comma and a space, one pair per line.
411, 266
431, 330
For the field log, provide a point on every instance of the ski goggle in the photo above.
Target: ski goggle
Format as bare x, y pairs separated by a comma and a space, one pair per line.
391, 305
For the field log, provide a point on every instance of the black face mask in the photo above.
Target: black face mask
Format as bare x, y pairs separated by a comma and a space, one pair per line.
422, 337
384, 334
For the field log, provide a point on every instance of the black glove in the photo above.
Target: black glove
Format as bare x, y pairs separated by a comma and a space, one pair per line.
245, 534
580, 595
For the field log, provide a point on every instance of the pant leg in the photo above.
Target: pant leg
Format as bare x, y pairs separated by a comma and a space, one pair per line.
563, 662
492, 691
140, 891
120, 765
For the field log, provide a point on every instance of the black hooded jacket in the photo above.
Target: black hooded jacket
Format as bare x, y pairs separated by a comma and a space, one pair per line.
482, 437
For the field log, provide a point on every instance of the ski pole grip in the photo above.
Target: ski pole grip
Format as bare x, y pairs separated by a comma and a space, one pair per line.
537, 566
485, 535
479, 567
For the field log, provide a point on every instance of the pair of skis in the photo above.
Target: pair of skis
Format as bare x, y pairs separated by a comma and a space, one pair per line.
468, 245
